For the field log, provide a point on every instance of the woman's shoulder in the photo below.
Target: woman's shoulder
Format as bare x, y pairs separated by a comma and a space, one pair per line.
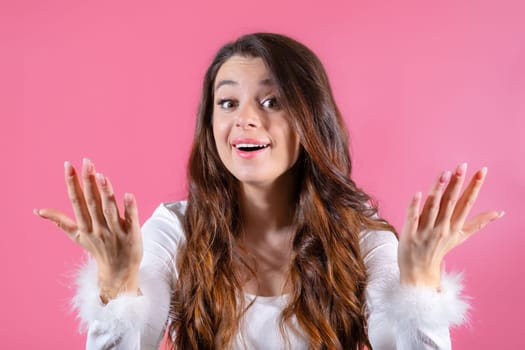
373, 241
373, 236
166, 223
171, 210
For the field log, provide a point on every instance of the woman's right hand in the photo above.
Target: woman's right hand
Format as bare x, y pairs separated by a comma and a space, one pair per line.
114, 242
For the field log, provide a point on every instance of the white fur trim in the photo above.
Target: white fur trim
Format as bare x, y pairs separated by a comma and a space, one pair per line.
407, 308
119, 315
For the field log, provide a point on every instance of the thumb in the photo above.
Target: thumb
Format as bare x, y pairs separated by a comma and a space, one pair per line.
64, 222
411, 223
480, 221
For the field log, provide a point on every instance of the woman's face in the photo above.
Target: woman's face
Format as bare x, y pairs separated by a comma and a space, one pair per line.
253, 136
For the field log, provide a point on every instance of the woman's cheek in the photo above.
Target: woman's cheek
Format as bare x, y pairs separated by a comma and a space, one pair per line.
221, 131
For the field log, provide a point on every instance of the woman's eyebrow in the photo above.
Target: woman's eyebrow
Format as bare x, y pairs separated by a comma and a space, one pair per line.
264, 82
225, 82
267, 82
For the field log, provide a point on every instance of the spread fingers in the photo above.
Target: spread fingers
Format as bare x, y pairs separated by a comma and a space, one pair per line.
431, 208
92, 194
76, 196
451, 195
467, 200
109, 204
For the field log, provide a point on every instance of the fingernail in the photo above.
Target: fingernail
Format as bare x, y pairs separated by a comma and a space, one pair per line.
68, 167
101, 179
36, 212
128, 197
482, 173
462, 169
500, 215
88, 166
445, 177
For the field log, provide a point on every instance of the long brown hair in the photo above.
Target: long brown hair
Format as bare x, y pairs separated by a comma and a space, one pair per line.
327, 273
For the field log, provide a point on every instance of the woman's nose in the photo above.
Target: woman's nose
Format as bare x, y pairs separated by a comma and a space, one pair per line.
249, 116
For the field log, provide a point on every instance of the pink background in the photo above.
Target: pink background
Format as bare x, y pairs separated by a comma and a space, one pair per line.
423, 86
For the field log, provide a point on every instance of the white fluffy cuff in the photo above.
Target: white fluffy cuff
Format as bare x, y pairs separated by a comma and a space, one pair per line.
127, 311
410, 307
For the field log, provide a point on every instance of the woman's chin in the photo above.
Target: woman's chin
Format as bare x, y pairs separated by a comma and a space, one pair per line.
254, 181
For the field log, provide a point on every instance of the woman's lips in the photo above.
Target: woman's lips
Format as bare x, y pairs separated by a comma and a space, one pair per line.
247, 140
249, 154
248, 148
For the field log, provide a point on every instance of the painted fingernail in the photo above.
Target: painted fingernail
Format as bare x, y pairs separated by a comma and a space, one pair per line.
445, 177
462, 169
128, 197
36, 212
101, 179
500, 215
88, 165
68, 167
482, 173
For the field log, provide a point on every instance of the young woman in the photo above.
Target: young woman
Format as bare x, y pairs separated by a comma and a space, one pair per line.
275, 247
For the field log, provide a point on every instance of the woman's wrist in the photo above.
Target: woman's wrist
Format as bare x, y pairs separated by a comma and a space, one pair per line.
106, 297
428, 278
111, 287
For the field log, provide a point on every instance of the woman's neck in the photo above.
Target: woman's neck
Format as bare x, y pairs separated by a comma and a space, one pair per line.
269, 208
268, 219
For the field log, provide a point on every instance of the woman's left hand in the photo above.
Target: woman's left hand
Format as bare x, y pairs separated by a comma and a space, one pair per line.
441, 226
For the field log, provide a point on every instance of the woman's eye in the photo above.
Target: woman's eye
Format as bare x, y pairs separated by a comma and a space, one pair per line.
271, 103
226, 104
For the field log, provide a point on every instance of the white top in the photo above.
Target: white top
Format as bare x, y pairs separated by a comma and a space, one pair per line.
400, 317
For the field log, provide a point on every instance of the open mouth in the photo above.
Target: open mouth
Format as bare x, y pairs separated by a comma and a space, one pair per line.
250, 147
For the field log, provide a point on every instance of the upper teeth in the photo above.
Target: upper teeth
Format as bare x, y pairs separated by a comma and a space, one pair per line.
249, 145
